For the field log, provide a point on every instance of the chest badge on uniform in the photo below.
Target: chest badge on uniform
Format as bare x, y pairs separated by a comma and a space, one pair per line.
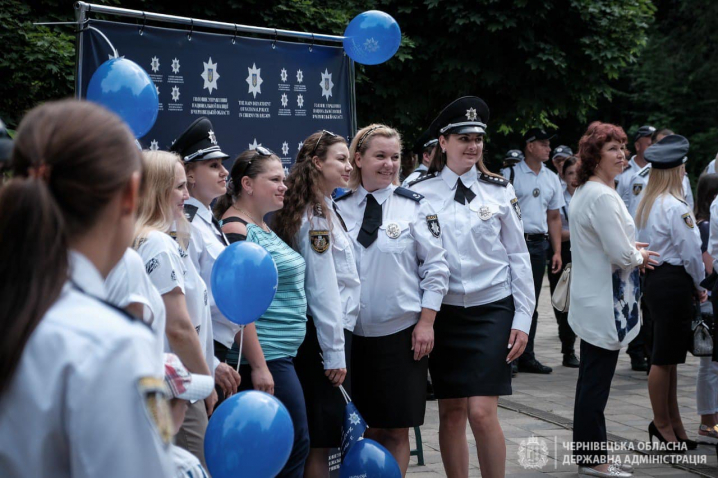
154, 395
485, 213
637, 188
536, 192
688, 220
517, 208
319, 241
393, 230
434, 227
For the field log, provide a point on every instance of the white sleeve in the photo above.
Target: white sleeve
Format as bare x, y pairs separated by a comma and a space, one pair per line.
606, 219
115, 415
687, 240
522, 281
322, 290
117, 284
433, 268
557, 201
164, 266
687, 192
713, 238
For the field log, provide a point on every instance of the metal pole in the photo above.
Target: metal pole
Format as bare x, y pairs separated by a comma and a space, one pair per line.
80, 15
123, 12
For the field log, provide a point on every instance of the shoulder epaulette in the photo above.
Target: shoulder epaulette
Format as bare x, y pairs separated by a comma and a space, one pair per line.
423, 177
493, 180
409, 194
628, 167
344, 196
644, 172
190, 211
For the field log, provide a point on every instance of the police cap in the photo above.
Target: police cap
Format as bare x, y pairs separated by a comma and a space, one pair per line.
198, 142
670, 152
513, 156
537, 134
465, 115
562, 152
424, 141
644, 131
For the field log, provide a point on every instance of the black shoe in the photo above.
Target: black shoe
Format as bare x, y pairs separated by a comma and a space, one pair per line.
639, 364
534, 366
514, 369
570, 360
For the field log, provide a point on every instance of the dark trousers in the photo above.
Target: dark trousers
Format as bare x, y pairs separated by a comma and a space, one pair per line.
594, 384
537, 251
565, 332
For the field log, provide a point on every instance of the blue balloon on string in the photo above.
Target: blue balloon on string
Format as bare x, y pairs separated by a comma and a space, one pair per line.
372, 37
244, 280
249, 434
368, 459
123, 87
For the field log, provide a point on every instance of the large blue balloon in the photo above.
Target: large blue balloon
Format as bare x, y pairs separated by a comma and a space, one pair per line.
244, 281
250, 434
368, 459
122, 86
372, 37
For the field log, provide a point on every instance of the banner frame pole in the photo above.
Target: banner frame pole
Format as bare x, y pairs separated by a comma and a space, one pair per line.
79, 50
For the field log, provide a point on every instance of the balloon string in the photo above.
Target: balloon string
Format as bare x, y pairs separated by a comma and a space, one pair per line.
341, 387
241, 341
106, 39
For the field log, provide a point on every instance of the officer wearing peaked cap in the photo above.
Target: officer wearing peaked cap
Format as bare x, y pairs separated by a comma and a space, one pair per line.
641, 141
198, 142
424, 147
558, 156
485, 317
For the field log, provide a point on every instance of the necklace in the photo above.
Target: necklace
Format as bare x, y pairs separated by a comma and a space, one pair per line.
262, 225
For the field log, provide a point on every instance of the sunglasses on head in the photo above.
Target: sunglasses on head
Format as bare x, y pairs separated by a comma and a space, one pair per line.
262, 151
321, 136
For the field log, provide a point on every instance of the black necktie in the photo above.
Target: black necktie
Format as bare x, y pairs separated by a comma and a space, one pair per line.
370, 224
219, 230
463, 193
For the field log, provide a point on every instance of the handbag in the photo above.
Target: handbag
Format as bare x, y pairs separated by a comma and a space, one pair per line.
561, 294
701, 344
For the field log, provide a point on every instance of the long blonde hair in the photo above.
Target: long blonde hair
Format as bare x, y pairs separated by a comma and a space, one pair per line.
156, 213
361, 142
661, 182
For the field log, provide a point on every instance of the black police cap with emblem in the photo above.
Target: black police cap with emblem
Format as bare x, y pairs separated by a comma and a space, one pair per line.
562, 152
537, 134
424, 141
513, 156
670, 152
644, 131
466, 115
198, 142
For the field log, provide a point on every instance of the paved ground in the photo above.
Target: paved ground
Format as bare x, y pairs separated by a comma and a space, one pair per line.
542, 407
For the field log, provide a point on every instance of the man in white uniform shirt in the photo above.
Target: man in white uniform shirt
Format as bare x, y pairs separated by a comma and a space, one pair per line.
641, 141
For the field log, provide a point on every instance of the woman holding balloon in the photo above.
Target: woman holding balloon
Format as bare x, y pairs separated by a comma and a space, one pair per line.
309, 223
256, 188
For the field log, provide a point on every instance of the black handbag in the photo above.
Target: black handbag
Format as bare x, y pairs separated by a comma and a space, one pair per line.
701, 343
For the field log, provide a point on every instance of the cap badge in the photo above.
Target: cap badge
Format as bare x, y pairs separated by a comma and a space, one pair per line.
212, 137
471, 114
485, 213
393, 230
514, 155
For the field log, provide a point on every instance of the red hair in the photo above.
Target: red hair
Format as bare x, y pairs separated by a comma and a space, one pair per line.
589, 148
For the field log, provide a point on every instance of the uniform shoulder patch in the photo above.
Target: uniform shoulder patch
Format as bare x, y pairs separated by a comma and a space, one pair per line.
517, 208
628, 167
408, 193
319, 241
154, 392
487, 178
344, 196
190, 211
423, 177
434, 227
688, 220
644, 172
637, 188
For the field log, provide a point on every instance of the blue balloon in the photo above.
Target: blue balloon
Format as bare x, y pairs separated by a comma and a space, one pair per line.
368, 459
123, 87
372, 37
244, 281
249, 434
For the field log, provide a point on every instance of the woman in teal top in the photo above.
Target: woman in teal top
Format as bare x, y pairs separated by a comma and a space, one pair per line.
256, 188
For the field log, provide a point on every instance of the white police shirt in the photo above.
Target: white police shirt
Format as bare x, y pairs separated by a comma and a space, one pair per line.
128, 283
418, 172
88, 397
564, 210
205, 246
711, 168
404, 269
169, 267
331, 281
537, 194
484, 240
638, 186
623, 180
671, 231
713, 237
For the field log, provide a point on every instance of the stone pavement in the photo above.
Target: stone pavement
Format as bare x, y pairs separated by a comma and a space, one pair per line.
542, 406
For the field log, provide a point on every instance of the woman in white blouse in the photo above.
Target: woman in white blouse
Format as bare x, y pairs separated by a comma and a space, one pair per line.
605, 288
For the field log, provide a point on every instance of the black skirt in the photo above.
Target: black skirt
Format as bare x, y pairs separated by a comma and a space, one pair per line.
388, 385
325, 403
470, 350
669, 298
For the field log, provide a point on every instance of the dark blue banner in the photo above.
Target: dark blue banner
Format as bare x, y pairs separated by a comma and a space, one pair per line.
255, 91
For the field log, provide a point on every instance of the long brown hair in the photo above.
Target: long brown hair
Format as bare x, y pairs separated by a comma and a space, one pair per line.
303, 187
70, 160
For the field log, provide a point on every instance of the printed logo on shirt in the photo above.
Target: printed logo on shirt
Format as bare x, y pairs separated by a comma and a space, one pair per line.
154, 395
319, 241
517, 208
637, 188
434, 226
182, 252
174, 276
688, 220
151, 265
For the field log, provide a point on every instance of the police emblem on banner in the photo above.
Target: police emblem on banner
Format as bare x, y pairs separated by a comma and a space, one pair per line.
319, 241
517, 208
434, 226
154, 395
688, 220
210, 74
637, 188
254, 79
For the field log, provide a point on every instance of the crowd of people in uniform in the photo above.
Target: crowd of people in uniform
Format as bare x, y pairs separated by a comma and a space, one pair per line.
115, 354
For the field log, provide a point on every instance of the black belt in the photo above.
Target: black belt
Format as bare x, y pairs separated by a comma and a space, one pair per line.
535, 237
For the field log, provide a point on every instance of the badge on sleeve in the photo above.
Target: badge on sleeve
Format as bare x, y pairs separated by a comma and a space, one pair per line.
688, 220
154, 393
517, 208
434, 226
319, 241
637, 188
151, 265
